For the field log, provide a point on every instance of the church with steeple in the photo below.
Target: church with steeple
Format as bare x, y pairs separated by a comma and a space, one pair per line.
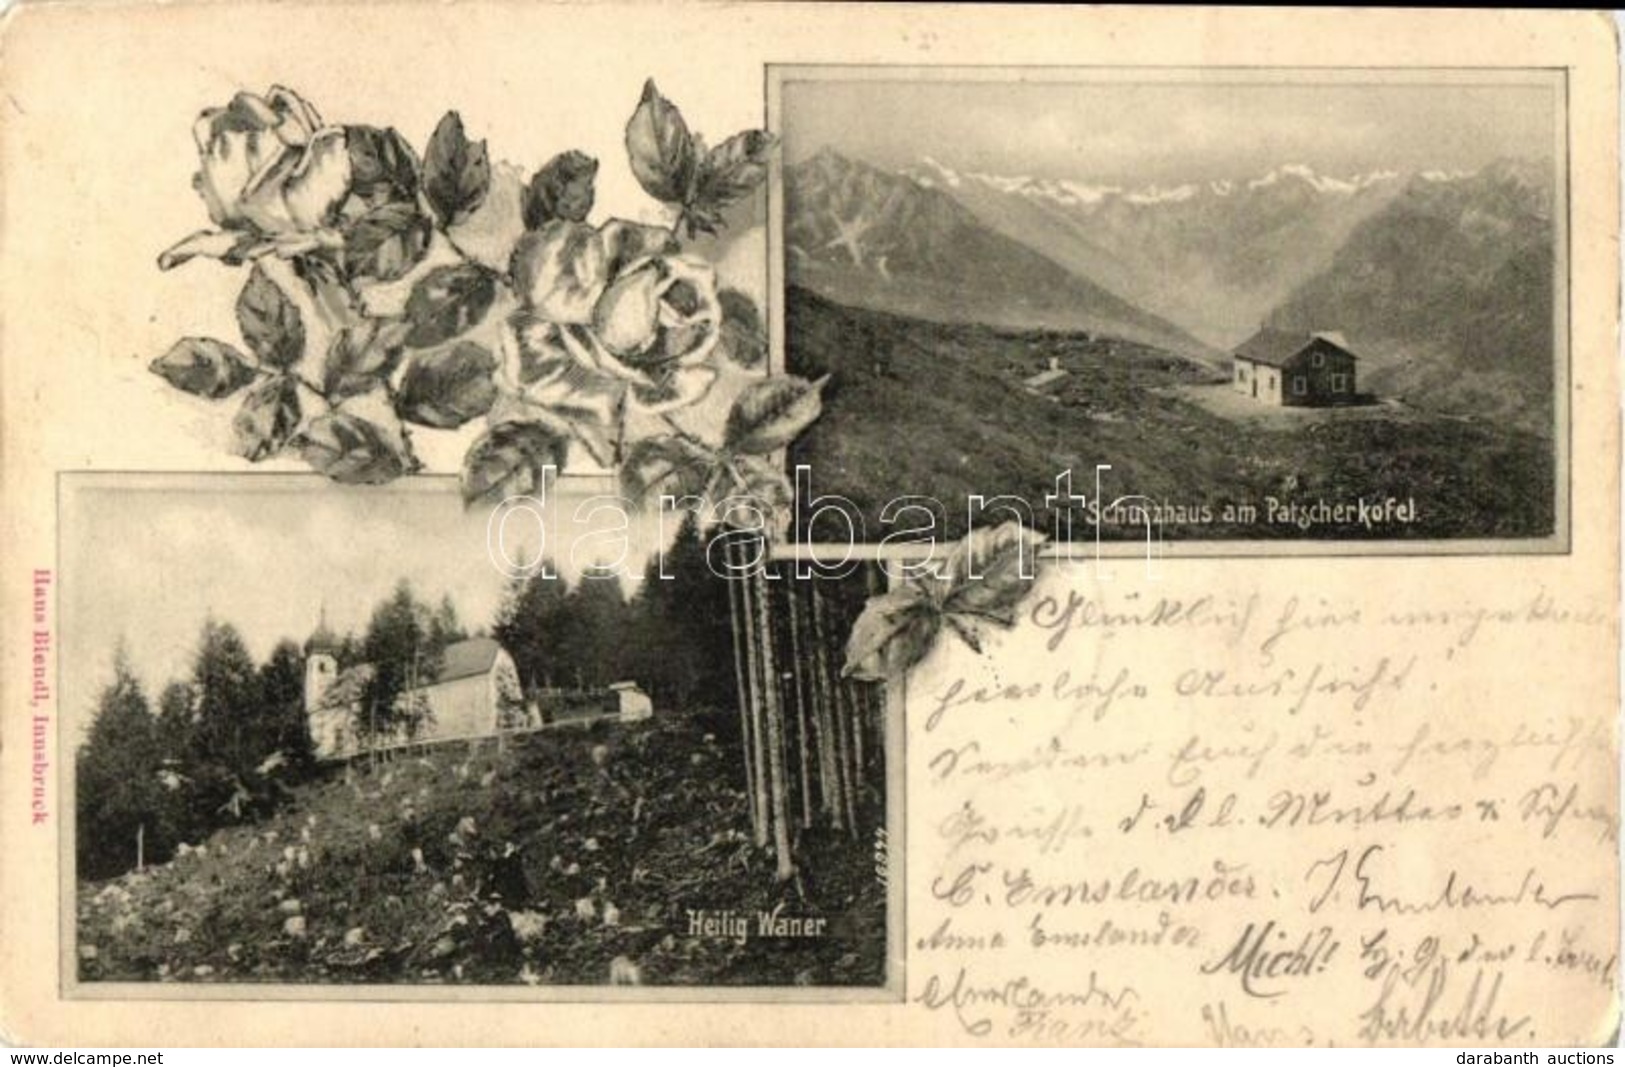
474, 692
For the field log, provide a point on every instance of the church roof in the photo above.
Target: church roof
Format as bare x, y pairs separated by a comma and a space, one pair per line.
463, 659
468, 658
322, 640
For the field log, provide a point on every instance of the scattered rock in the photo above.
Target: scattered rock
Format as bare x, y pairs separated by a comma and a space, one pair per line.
623, 971
294, 926
527, 926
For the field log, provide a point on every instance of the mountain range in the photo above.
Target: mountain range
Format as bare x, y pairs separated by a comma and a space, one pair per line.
1236, 248
1442, 281
1448, 294
870, 238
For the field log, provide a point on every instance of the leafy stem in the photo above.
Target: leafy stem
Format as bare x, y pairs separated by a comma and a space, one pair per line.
451, 243
677, 428
505, 275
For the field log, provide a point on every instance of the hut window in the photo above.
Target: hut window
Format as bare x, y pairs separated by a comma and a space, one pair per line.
1299, 386
1319, 359
1340, 383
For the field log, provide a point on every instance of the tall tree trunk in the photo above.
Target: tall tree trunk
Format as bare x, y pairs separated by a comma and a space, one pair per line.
843, 748
860, 723
797, 676
739, 621
774, 713
874, 703
829, 767
753, 662
848, 732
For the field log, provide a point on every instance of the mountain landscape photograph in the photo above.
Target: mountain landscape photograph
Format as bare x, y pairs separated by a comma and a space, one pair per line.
1286, 306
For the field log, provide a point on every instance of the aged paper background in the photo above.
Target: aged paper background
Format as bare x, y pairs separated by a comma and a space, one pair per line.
1498, 689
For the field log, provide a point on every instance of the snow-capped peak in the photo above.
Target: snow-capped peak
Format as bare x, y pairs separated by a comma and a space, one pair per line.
937, 173
932, 173
1156, 194
1322, 183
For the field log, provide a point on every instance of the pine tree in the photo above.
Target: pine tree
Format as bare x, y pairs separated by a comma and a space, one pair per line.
591, 638
683, 647
233, 733
529, 625
119, 801
282, 689
444, 626
398, 645
175, 732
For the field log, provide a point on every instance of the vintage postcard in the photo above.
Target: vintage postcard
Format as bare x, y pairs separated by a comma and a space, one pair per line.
808, 525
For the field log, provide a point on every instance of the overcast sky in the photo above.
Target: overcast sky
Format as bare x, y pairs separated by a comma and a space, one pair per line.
1170, 133
149, 565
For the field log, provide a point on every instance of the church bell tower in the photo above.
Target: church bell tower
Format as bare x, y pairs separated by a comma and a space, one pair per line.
321, 667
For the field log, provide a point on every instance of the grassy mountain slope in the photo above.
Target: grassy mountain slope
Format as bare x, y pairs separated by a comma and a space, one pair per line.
939, 410
567, 856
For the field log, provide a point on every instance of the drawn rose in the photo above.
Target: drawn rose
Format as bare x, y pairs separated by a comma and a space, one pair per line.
608, 312
272, 177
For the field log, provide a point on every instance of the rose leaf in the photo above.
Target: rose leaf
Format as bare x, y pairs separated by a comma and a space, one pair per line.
448, 386
770, 413
456, 171
204, 367
270, 322
448, 301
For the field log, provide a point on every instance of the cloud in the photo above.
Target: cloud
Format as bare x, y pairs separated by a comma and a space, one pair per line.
1184, 131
